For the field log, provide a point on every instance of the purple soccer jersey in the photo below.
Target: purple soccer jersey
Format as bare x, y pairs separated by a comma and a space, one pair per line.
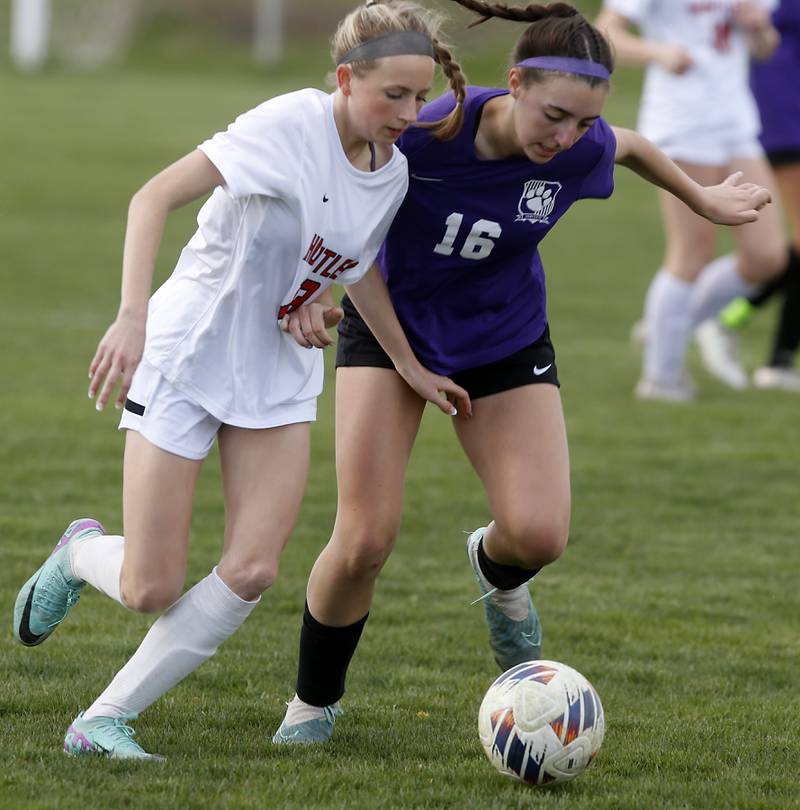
774, 83
461, 259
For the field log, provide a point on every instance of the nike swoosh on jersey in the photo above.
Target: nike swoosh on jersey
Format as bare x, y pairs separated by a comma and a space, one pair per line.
539, 371
428, 179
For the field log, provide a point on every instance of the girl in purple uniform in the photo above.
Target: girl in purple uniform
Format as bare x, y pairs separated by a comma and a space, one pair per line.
462, 267
774, 85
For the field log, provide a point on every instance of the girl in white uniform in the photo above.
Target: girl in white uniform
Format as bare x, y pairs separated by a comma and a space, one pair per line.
304, 189
697, 107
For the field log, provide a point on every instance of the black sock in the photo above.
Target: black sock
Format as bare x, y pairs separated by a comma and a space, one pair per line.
325, 654
787, 337
766, 291
503, 577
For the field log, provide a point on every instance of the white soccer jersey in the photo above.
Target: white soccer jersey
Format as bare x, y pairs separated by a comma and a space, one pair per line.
294, 215
714, 94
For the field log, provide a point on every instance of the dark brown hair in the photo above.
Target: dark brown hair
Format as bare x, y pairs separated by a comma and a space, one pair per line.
556, 29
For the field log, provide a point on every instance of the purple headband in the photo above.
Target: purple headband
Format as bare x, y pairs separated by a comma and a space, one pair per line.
566, 64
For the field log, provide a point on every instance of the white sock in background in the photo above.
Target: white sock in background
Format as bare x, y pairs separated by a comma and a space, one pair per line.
652, 291
182, 638
718, 283
668, 328
98, 561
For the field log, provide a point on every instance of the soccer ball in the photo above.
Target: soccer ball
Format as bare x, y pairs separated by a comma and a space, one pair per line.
541, 722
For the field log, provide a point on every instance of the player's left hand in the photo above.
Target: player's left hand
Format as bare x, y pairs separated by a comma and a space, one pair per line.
733, 202
751, 16
309, 324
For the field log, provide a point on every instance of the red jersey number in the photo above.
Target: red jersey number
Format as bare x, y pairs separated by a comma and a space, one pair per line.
722, 36
307, 289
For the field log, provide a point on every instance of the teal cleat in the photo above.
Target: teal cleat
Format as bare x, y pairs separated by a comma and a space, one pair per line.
513, 642
309, 732
108, 737
47, 596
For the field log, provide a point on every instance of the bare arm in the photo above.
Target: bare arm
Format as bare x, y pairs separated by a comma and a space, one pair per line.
729, 203
120, 350
761, 35
374, 305
633, 50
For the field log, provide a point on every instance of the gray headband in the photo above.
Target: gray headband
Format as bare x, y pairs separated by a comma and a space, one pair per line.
395, 43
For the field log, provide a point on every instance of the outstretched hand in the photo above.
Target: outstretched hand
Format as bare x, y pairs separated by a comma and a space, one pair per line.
309, 324
117, 357
733, 202
448, 397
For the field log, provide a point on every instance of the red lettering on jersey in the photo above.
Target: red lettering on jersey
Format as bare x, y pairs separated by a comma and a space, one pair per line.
722, 37
307, 289
314, 249
324, 261
345, 265
329, 258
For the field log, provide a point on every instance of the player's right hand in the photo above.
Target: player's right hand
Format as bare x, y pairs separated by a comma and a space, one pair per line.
675, 59
448, 397
117, 357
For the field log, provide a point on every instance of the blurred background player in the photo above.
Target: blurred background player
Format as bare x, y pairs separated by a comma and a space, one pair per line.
776, 87
290, 179
464, 273
698, 108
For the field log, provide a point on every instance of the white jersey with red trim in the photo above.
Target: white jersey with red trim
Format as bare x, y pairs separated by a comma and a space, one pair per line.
293, 216
714, 93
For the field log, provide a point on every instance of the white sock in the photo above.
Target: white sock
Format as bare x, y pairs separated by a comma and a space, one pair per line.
98, 560
668, 328
182, 638
649, 297
718, 284
297, 711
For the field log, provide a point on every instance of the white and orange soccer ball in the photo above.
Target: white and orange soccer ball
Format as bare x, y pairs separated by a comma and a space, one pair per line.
541, 722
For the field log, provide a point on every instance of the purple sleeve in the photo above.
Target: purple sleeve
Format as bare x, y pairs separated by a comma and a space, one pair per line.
599, 182
416, 137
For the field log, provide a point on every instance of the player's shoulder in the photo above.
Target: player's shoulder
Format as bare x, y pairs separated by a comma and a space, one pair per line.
298, 107
595, 147
595, 141
418, 139
600, 132
475, 97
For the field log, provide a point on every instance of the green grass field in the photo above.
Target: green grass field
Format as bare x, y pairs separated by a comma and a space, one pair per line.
677, 596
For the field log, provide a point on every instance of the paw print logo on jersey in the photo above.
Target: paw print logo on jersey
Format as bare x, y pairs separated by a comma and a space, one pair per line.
537, 201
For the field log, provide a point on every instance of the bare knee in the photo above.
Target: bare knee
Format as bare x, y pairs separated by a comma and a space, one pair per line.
247, 577
364, 549
149, 597
535, 541
687, 264
764, 263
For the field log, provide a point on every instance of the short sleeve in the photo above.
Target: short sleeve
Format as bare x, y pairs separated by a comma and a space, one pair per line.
633, 10
261, 151
599, 183
375, 240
